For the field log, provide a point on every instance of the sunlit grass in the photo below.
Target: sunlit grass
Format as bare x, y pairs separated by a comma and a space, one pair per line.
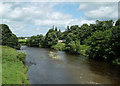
13, 70
22, 40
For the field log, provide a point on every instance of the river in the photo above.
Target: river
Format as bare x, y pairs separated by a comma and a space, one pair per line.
47, 66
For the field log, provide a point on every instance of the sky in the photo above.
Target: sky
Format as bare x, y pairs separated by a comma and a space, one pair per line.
32, 18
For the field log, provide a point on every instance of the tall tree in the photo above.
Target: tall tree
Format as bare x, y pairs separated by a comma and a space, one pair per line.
55, 28
8, 38
51, 38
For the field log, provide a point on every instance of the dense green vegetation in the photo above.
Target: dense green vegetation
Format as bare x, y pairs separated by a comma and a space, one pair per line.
8, 38
22, 41
21, 56
59, 46
100, 41
35, 41
13, 69
50, 39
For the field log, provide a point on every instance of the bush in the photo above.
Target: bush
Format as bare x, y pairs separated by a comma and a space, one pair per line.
76, 47
59, 46
82, 49
21, 56
116, 61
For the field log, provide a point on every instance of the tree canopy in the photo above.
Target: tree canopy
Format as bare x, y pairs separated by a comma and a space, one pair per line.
7, 37
100, 41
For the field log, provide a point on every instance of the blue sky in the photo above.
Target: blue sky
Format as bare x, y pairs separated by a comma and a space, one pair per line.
70, 8
32, 18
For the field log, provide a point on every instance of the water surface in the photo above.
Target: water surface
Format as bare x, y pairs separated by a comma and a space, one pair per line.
47, 66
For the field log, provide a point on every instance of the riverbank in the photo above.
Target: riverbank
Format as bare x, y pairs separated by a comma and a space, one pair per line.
13, 70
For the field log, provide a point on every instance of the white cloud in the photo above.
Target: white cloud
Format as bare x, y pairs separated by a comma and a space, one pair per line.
80, 22
61, 0
4, 8
19, 15
27, 19
101, 10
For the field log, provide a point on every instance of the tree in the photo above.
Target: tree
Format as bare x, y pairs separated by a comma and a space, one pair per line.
68, 28
59, 34
8, 38
115, 43
103, 25
100, 45
70, 37
36, 41
84, 32
51, 38
55, 28
117, 22
13, 42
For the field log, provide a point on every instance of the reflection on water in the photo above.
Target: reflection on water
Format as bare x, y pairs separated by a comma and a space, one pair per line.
48, 66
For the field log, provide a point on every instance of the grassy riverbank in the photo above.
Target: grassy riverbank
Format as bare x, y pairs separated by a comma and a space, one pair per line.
13, 70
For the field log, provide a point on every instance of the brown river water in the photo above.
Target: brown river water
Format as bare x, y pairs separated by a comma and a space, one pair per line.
47, 66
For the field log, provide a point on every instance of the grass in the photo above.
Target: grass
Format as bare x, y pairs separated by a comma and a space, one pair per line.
13, 70
22, 41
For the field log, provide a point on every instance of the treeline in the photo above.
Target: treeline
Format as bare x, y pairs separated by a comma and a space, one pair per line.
47, 41
100, 41
7, 37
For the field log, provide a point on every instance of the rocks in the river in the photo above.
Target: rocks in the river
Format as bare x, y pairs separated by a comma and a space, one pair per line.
53, 55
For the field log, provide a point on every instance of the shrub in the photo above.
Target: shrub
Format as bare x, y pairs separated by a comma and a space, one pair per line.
116, 61
59, 46
76, 47
82, 49
21, 56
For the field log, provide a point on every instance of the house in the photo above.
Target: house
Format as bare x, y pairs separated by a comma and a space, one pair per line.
27, 37
61, 40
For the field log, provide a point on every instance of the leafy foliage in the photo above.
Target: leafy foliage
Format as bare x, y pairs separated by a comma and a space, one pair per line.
99, 44
8, 38
51, 38
59, 46
76, 47
21, 56
35, 41
100, 41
